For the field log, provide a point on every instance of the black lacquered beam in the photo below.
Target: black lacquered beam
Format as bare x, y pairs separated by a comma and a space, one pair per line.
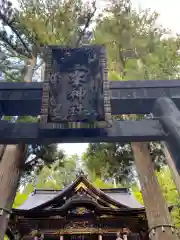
138, 97
122, 131
129, 97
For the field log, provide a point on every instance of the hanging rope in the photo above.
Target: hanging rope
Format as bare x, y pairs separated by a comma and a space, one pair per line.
163, 227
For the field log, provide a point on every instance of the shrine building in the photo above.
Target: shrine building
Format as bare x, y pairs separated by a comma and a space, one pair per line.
79, 212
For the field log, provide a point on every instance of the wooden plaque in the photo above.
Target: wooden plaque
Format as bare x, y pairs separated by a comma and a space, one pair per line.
75, 88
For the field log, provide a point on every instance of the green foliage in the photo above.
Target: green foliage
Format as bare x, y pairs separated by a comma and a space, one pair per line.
53, 176
24, 30
114, 161
20, 199
136, 46
28, 189
109, 161
170, 193
38, 157
99, 183
53, 21
67, 174
137, 193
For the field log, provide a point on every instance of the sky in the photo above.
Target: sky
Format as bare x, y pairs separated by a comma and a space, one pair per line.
169, 18
169, 12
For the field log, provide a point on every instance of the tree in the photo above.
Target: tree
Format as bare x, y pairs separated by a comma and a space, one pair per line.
54, 176
40, 156
136, 46
114, 161
109, 161
57, 176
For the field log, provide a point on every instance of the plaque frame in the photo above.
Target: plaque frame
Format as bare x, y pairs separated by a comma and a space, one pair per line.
44, 123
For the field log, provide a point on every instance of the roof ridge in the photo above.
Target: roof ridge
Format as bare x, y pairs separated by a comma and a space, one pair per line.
45, 191
123, 189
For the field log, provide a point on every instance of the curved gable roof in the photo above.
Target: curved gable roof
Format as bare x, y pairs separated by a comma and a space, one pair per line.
113, 198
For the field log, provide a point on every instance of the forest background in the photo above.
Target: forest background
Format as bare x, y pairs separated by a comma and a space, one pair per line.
138, 48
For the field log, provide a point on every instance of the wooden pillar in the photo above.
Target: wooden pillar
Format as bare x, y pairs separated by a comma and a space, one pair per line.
11, 165
157, 212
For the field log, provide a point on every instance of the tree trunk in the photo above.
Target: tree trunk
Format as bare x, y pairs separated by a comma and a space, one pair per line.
10, 172
172, 167
157, 212
30, 69
11, 166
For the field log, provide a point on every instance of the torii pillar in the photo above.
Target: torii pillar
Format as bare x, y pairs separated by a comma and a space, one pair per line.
159, 219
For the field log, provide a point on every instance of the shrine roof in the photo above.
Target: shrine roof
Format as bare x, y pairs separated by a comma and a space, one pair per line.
119, 197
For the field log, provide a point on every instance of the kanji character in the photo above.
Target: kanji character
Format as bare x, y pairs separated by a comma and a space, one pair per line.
77, 77
77, 94
73, 110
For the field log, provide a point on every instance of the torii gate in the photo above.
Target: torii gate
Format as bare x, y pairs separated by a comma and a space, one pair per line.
76, 103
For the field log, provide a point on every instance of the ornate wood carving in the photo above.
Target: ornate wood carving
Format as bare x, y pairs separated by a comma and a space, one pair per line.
87, 230
77, 225
76, 89
80, 211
